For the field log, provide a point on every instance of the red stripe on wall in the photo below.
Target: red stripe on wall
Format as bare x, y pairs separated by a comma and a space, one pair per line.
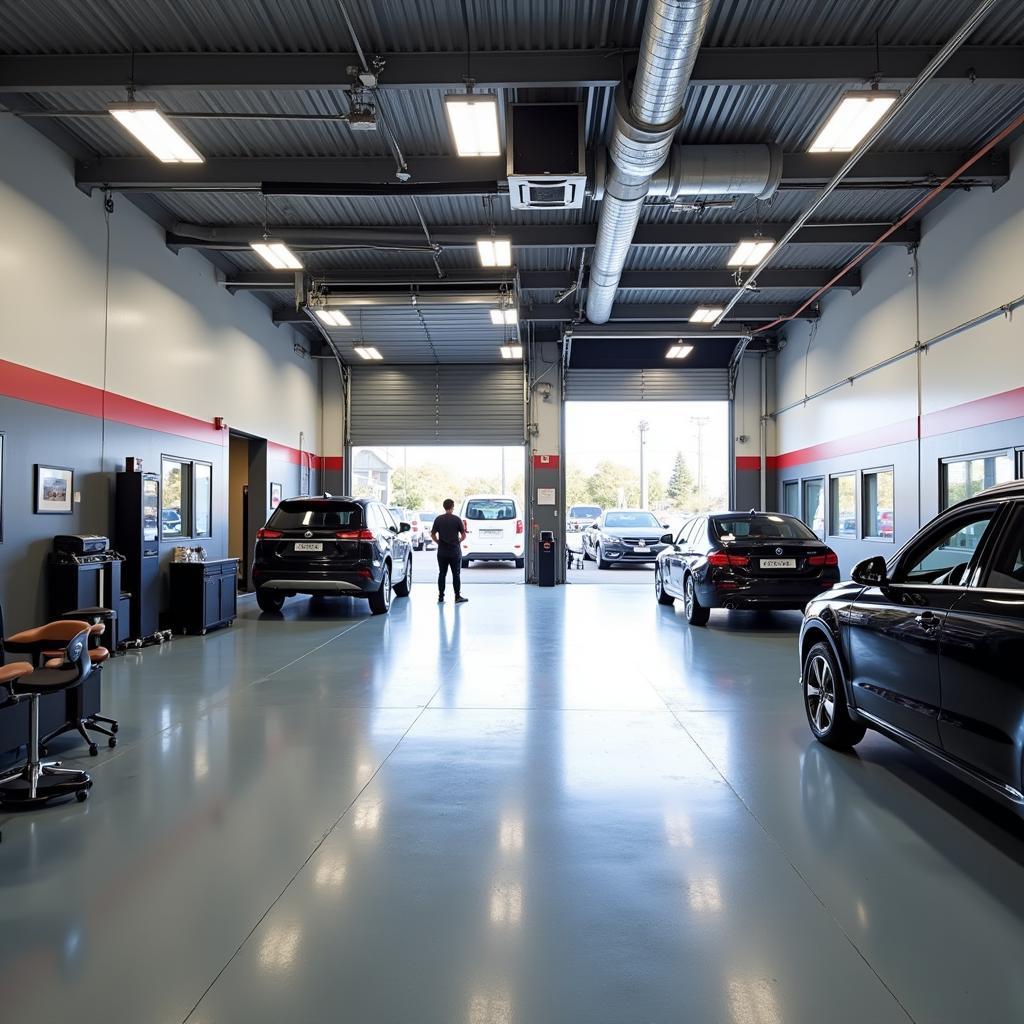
897, 433
30, 385
546, 461
749, 463
1009, 405
152, 417
335, 462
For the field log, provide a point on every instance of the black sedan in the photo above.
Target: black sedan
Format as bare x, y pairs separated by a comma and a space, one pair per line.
624, 535
743, 560
329, 545
927, 647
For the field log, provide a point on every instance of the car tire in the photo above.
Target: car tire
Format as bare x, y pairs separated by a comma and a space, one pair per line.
696, 613
663, 596
601, 563
402, 589
520, 563
828, 714
587, 556
269, 601
380, 599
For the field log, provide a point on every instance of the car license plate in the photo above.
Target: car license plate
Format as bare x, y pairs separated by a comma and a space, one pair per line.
778, 563
309, 546
490, 533
641, 549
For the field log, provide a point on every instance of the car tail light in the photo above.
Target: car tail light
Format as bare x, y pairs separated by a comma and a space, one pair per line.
364, 573
720, 559
829, 558
356, 535
266, 534
519, 526
465, 526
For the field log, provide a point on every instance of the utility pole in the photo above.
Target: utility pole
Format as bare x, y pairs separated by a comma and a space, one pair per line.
644, 427
700, 422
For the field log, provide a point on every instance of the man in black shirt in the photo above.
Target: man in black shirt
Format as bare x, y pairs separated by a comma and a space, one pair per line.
448, 534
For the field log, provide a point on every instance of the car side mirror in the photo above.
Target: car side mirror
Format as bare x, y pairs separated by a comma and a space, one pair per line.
667, 539
665, 526
404, 528
872, 572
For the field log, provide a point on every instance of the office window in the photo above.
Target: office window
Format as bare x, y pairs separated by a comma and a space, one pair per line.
963, 477
842, 505
814, 505
791, 498
174, 498
202, 491
878, 504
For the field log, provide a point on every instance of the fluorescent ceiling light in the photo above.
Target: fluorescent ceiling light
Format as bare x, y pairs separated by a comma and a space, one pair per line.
278, 255
155, 132
495, 252
367, 352
751, 251
474, 122
504, 316
333, 318
511, 351
853, 117
679, 352
706, 314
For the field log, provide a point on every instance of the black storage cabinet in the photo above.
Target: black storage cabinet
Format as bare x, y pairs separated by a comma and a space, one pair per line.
203, 594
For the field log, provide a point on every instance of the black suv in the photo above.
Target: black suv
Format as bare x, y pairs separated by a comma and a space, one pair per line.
927, 647
329, 545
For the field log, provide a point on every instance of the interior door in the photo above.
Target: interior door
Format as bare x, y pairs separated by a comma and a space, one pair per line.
980, 658
893, 632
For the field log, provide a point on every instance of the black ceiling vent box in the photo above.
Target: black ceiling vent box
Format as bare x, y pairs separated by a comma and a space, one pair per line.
547, 164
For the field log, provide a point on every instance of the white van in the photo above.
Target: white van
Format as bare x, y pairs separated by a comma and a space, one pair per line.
494, 530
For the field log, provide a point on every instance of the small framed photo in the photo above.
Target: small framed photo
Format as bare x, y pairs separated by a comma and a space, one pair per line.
55, 488
275, 495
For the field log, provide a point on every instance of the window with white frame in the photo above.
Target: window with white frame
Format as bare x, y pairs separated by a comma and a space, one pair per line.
878, 511
842, 505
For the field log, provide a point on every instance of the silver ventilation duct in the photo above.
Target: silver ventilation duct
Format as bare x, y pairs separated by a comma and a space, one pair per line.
642, 136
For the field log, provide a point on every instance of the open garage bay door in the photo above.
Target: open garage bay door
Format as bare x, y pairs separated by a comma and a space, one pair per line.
585, 384
445, 404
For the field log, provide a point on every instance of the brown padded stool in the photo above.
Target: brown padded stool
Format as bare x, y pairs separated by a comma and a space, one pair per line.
36, 783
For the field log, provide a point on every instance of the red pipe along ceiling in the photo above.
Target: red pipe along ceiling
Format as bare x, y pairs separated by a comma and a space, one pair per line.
1016, 123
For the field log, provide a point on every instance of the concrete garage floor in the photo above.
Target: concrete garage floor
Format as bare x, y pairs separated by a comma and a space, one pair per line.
545, 806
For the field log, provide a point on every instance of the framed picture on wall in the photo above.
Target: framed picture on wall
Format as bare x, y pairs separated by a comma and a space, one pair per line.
55, 488
275, 495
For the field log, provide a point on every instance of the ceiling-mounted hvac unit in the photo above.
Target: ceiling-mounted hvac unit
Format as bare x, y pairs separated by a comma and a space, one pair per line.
547, 164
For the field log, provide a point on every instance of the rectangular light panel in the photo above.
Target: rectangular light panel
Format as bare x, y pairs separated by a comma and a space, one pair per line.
500, 317
333, 318
155, 132
751, 251
856, 114
495, 252
679, 352
277, 255
367, 352
705, 314
474, 122
511, 351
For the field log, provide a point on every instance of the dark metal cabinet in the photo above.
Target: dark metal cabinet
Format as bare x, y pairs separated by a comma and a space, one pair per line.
203, 594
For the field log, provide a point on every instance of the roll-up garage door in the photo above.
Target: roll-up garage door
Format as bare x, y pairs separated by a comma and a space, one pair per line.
441, 404
656, 385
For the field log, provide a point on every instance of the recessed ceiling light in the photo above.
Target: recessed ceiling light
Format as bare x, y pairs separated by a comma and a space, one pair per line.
705, 314
494, 252
504, 316
511, 351
851, 119
333, 318
679, 352
277, 255
367, 352
474, 122
155, 132
751, 251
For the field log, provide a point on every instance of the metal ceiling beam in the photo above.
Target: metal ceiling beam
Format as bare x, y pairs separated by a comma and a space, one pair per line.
69, 73
450, 175
675, 312
237, 237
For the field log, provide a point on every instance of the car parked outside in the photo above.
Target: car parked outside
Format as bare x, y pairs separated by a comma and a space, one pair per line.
494, 530
331, 545
581, 517
426, 525
624, 535
927, 646
743, 560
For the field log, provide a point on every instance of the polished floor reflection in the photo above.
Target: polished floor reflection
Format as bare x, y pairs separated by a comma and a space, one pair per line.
544, 806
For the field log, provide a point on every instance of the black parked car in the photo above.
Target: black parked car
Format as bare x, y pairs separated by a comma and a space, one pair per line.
927, 647
624, 535
743, 560
329, 545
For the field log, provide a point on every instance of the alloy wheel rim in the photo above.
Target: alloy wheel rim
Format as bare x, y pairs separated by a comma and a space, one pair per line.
821, 694
689, 595
658, 586
386, 587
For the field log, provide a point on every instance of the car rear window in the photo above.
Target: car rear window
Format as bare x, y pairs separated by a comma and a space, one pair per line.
490, 508
760, 527
312, 515
641, 520
584, 510
428, 517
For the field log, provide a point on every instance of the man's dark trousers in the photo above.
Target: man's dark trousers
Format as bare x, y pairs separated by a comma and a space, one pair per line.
449, 560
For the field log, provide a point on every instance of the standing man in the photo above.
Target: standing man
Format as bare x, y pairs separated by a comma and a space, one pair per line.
448, 534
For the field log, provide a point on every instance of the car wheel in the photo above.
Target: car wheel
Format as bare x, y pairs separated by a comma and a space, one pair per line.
380, 600
663, 596
601, 563
825, 700
587, 556
520, 563
269, 601
696, 613
402, 589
